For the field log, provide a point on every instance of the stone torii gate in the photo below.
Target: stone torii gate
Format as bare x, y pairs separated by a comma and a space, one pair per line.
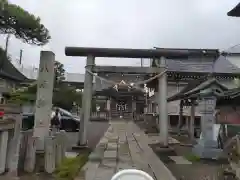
159, 56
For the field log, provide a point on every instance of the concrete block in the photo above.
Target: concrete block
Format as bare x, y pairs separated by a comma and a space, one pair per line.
30, 160
71, 154
59, 149
3, 150
23, 148
63, 136
112, 146
14, 151
110, 154
50, 154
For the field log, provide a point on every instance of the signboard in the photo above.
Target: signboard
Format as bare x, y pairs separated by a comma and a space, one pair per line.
121, 107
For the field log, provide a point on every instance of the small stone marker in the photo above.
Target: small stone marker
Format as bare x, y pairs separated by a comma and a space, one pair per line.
3, 150
30, 160
71, 154
50, 154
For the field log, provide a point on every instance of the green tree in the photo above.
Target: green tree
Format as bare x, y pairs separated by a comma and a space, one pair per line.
23, 25
65, 97
59, 73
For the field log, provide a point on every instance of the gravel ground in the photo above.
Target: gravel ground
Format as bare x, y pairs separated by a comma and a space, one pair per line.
198, 170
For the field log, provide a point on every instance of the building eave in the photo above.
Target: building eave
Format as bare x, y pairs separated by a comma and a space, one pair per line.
235, 12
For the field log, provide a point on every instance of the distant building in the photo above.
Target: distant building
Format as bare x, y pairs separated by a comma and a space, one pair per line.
10, 77
193, 69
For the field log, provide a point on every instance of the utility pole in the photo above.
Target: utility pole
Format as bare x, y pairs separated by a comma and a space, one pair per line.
7, 43
20, 59
141, 62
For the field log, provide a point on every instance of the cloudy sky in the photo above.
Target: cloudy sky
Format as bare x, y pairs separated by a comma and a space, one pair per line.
128, 24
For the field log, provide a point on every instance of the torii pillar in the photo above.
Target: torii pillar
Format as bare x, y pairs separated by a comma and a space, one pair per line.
162, 104
86, 101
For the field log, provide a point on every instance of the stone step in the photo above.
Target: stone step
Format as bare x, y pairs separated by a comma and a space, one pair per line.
180, 160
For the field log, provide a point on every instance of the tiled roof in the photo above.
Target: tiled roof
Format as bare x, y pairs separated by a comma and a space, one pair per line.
194, 87
9, 71
221, 65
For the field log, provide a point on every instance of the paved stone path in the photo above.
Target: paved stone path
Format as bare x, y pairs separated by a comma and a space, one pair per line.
180, 160
124, 146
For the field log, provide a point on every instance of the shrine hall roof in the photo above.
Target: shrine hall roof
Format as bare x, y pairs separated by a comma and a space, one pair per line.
221, 65
230, 97
194, 87
9, 71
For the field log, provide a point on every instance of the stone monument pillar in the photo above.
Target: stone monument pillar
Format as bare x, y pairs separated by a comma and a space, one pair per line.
86, 101
162, 104
207, 146
44, 97
207, 108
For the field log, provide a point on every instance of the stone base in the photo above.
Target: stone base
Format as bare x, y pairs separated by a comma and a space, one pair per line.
164, 149
162, 146
40, 161
80, 147
207, 150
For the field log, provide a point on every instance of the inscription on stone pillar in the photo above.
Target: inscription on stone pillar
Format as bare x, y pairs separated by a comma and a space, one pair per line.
44, 96
207, 109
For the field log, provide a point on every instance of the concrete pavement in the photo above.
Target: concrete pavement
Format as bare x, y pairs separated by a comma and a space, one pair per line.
123, 146
95, 131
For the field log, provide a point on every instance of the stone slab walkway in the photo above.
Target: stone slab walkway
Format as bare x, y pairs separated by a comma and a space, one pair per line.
180, 160
124, 146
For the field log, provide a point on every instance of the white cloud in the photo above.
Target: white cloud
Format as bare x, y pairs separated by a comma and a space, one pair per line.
129, 24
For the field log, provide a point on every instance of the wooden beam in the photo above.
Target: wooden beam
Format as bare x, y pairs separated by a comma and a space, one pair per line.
126, 69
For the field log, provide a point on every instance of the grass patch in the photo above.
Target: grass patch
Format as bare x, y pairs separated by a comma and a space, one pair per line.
192, 157
70, 167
